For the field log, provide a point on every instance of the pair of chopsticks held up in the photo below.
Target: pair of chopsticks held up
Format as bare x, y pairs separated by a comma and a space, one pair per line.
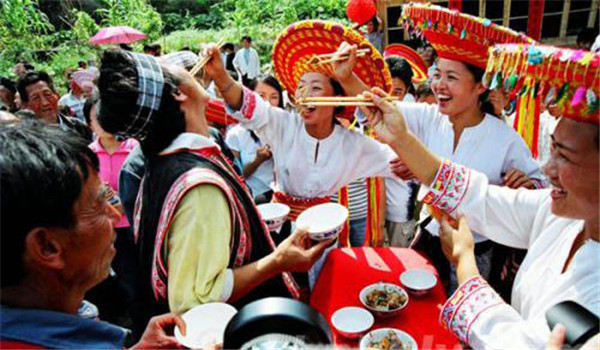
314, 101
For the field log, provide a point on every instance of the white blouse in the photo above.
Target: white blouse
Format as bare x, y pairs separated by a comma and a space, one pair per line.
307, 167
522, 219
491, 147
239, 140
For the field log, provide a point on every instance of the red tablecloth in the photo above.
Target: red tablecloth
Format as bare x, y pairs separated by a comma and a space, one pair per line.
348, 270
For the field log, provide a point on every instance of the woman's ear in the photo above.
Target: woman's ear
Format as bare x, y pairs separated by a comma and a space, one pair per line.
480, 89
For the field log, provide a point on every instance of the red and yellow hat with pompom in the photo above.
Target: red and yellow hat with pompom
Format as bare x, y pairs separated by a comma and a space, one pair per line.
458, 36
411, 56
296, 46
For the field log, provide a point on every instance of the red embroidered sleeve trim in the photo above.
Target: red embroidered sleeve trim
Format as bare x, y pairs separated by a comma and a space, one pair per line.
469, 301
248, 103
449, 187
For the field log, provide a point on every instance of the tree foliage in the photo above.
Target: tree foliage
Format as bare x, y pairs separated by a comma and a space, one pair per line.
134, 13
26, 33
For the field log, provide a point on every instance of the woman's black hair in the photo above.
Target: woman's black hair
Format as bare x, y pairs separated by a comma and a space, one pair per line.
338, 90
375, 23
401, 69
272, 82
43, 170
118, 85
486, 105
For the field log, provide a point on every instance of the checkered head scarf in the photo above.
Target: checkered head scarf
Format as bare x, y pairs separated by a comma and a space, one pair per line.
184, 59
150, 89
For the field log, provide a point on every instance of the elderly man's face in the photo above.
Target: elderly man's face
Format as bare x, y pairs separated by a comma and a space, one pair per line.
89, 249
42, 101
573, 170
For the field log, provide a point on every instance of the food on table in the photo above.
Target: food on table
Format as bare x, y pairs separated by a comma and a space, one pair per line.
385, 299
390, 341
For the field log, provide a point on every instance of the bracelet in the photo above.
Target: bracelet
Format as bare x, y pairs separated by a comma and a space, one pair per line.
227, 88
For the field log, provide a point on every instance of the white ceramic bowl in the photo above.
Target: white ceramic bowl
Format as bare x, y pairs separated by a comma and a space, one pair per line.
274, 214
323, 221
418, 281
352, 322
408, 342
388, 287
205, 325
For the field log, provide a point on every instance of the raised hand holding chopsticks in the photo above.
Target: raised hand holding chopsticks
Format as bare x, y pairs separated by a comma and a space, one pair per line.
204, 59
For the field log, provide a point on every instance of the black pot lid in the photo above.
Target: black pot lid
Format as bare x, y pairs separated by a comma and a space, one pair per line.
279, 322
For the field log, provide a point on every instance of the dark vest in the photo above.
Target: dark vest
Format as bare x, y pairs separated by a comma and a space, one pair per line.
161, 173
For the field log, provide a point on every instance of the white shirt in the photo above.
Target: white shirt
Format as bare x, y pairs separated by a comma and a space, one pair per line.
252, 67
239, 140
307, 167
523, 219
547, 126
490, 147
74, 103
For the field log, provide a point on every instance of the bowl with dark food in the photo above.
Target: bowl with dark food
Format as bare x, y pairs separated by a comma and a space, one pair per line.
387, 339
384, 299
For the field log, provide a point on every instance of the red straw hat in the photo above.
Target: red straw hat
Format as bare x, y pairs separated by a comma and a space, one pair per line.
413, 58
458, 36
297, 44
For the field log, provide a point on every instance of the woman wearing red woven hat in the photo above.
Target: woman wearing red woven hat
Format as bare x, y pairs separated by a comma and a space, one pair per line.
559, 227
314, 156
461, 127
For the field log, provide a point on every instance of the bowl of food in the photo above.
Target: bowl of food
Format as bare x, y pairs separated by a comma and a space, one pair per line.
205, 325
274, 214
323, 221
388, 338
418, 281
384, 299
352, 322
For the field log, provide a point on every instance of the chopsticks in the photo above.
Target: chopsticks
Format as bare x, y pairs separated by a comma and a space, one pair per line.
204, 59
340, 101
328, 58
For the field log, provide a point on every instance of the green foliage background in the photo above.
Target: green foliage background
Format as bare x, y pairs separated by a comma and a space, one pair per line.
55, 42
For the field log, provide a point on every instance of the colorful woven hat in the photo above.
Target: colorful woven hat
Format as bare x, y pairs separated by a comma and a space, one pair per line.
458, 36
411, 56
297, 45
536, 74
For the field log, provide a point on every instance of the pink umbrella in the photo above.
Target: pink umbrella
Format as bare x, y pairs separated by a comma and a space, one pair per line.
117, 35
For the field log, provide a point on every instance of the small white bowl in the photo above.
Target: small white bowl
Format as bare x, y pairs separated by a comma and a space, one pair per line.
408, 342
274, 214
418, 281
387, 287
205, 325
352, 322
323, 221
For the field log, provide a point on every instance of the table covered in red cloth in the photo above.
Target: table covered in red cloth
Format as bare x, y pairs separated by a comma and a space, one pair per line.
348, 270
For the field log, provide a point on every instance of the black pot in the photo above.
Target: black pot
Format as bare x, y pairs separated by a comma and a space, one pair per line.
277, 316
580, 323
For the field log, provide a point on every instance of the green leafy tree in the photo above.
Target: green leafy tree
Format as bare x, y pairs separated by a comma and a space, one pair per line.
84, 27
134, 13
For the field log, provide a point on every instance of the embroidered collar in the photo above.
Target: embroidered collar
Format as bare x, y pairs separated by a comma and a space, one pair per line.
189, 141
